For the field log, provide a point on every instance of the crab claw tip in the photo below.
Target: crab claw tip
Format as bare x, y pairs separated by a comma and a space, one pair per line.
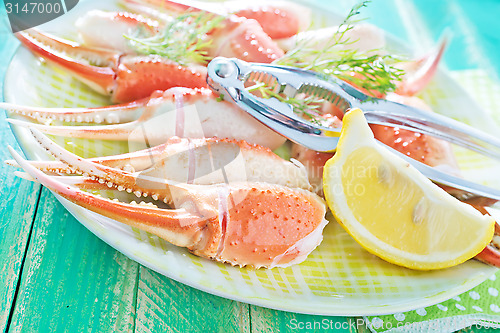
10, 163
36, 132
18, 158
34, 174
18, 122
24, 175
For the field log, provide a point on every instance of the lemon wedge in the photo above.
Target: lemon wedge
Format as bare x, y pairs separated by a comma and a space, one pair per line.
394, 211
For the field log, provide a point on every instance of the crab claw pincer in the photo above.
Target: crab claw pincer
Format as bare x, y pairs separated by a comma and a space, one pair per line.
242, 223
182, 112
123, 77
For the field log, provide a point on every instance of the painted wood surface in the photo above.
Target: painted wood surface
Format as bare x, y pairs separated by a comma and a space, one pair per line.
17, 209
164, 305
268, 320
71, 281
19, 201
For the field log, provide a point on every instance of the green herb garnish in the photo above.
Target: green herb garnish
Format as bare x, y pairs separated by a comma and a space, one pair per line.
306, 107
373, 72
182, 40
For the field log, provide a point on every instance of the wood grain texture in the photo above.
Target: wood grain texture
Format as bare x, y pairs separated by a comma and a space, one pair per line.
71, 280
267, 320
17, 211
164, 305
17, 207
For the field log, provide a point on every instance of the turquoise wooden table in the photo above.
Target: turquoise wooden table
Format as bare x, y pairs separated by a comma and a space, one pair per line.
58, 277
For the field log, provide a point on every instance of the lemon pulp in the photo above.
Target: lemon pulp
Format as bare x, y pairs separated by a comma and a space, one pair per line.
395, 212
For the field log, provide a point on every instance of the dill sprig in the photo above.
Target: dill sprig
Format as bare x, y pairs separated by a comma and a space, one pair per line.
370, 71
182, 40
373, 72
307, 107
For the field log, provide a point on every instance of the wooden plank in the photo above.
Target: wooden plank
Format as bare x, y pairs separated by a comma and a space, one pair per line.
164, 305
267, 320
17, 207
17, 211
71, 280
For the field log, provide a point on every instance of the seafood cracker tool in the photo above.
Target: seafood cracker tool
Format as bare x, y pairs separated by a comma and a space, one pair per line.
228, 76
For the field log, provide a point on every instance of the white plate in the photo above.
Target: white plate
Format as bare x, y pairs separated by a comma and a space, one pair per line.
338, 278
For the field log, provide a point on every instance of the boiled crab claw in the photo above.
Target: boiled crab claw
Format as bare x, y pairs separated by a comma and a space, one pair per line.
203, 161
232, 36
421, 71
123, 77
242, 223
184, 112
278, 19
491, 253
126, 75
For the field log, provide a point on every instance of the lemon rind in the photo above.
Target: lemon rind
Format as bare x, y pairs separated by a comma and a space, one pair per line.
343, 214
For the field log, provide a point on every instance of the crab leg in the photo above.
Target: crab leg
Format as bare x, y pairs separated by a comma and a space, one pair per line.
235, 36
279, 19
255, 224
363, 37
105, 30
100, 77
197, 161
185, 225
119, 113
125, 78
80, 182
183, 112
421, 71
491, 253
